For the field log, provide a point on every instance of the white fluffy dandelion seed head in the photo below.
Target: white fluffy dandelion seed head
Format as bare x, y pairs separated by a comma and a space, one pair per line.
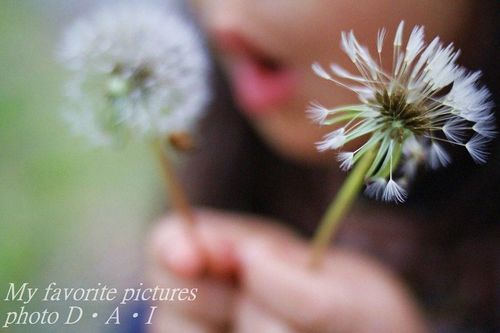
136, 70
409, 112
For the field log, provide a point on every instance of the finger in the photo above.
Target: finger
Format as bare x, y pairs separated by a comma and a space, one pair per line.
179, 264
222, 233
175, 246
168, 321
280, 281
213, 302
251, 318
210, 244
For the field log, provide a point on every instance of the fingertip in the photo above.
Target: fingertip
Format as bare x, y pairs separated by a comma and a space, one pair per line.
270, 251
255, 257
184, 259
251, 251
176, 247
221, 259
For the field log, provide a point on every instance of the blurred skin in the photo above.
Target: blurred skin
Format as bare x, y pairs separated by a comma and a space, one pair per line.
252, 276
251, 273
296, 33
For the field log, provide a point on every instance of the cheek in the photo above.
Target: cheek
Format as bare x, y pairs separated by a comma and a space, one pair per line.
309, 30
290, 132
293, 136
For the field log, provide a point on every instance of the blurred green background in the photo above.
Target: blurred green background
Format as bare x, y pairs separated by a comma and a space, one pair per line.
68, 213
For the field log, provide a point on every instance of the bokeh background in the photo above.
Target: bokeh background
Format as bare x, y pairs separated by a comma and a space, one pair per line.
68, 213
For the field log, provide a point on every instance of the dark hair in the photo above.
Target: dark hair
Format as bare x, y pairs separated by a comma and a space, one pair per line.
453, 257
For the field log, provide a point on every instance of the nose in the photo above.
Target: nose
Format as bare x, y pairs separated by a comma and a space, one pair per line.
218, 16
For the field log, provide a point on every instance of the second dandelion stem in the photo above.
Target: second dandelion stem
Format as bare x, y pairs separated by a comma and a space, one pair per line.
339, 207
175, 190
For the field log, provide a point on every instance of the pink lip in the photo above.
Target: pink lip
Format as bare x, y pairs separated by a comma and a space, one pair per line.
258, 85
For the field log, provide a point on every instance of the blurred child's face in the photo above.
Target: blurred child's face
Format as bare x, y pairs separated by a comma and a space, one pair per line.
266, 48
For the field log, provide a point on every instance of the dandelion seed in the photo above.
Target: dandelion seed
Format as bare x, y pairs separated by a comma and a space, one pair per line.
409, 113
438, 156
346, 160
376, 188
477, 148
333, 140
136, 70
394, 192
317, 113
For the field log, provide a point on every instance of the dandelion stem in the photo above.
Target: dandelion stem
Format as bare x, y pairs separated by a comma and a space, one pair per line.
175, 190
339, 207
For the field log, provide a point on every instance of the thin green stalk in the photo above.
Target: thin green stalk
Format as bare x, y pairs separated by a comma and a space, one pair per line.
339, 207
